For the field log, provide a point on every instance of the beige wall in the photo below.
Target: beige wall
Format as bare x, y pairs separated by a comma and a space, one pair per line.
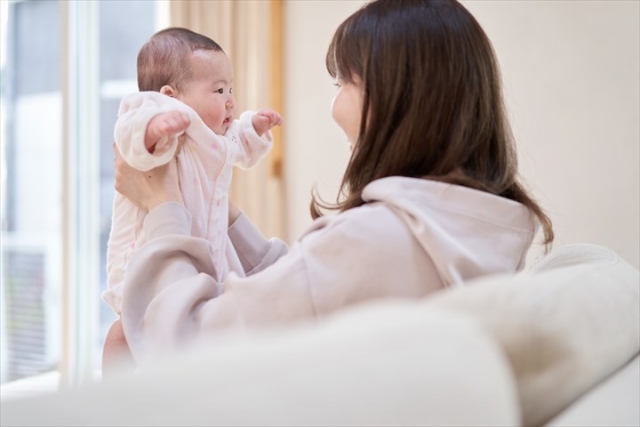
316, 149
571, 74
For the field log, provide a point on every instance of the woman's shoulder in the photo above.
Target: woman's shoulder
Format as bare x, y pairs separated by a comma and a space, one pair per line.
370, 222
429, 201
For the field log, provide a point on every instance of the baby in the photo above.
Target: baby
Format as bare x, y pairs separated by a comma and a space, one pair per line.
185, 82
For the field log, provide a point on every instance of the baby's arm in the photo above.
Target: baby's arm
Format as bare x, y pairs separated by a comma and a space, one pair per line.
255, 140
162, 126
265, 119
134, 116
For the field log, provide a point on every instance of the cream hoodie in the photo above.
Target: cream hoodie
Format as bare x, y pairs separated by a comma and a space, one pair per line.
412, 237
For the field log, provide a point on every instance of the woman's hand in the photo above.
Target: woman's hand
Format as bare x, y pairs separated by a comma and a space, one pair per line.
147, 189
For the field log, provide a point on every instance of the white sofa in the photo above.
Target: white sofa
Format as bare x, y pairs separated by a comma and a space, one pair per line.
555, 345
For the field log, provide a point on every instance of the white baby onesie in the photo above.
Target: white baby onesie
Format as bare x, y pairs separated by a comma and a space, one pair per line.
205, 164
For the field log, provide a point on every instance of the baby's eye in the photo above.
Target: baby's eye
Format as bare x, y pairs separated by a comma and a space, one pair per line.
230, 90
220, 91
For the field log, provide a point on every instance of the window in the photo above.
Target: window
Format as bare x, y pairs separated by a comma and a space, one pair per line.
31, 125
65, 66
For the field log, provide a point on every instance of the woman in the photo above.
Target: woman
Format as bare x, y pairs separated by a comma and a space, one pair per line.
430, 197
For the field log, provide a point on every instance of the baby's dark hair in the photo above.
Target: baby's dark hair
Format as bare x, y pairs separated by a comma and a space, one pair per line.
163, 60
432, 104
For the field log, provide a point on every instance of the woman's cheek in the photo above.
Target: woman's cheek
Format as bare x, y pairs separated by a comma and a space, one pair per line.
336, 113
333, 109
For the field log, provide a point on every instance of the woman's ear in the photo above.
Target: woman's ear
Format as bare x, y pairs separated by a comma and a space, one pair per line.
168, 90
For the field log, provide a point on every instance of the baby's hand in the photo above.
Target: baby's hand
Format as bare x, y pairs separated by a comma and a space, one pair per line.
164, 125
264, 120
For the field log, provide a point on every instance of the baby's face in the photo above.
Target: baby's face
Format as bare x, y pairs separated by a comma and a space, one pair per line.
210, 92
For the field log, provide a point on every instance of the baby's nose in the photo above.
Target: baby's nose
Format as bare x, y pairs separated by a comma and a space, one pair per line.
230, 102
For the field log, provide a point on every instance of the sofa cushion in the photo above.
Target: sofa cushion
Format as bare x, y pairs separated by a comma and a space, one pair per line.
382, 364
614, 402
565, 325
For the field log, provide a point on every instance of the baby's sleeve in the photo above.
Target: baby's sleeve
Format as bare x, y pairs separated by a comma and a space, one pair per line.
252, 147
136, 110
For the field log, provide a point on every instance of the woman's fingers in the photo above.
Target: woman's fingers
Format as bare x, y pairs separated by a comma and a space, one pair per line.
119, 167
150, 188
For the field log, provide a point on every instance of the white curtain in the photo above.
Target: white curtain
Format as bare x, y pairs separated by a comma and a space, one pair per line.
250, 33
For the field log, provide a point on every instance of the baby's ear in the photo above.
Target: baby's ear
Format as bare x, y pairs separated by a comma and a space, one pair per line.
168, 90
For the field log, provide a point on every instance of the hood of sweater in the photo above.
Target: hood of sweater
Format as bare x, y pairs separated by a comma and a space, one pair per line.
467, 233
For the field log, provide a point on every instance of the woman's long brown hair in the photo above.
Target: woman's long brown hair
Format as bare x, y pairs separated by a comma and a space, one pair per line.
432, 105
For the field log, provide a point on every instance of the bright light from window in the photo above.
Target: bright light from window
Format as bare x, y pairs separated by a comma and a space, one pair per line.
4, 12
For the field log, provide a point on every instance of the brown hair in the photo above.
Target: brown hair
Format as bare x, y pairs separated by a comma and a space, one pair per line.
432, 104
163, 60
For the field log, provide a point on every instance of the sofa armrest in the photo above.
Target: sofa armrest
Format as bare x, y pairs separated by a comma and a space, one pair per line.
614, 402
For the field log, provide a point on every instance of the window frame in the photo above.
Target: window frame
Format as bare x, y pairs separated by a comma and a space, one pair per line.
81, 187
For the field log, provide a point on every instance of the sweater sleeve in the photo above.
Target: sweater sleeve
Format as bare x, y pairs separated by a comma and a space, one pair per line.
253, 249
251, 146
135, 113
171, 295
